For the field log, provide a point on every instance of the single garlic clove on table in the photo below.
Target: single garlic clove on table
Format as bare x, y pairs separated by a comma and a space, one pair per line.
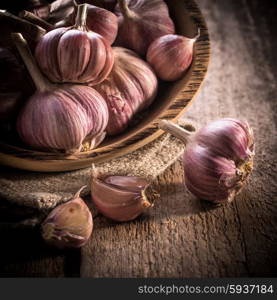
69, 225
120, 198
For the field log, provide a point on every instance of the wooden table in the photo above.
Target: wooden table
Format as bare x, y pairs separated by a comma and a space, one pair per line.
182, 236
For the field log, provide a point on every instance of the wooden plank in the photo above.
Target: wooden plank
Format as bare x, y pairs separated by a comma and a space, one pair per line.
185, 237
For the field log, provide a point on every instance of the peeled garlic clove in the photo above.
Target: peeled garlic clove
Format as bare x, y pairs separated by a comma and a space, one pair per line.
218, 159
69, 225
131, 87
141, 22
58, 59
171, 56
120, 198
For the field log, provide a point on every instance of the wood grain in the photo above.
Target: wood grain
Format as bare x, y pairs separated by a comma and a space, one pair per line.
183, 236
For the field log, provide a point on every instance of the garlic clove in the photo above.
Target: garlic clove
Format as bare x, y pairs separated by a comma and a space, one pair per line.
120, 198
69, 225
171, 56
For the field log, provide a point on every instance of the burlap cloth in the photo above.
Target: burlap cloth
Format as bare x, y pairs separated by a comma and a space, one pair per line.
32, 195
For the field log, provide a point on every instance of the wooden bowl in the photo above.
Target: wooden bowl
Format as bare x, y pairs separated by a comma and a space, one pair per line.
172, 100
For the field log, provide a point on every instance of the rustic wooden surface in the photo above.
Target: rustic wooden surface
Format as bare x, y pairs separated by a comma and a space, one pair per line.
182, 236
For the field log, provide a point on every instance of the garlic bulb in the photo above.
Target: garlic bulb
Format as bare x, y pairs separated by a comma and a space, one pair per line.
171, 55
130, 88
120, 198
141, 22
101, 21
69, 225
74, 54
59, 117
218, 158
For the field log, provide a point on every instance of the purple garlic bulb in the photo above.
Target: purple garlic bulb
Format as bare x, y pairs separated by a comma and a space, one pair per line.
218, 158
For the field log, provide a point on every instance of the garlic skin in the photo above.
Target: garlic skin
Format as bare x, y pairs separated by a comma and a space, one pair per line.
58, 58
69, 225
59, 117
120, 198
141, 22
171, 56
131, 87
101, 21
62, 119
218, 159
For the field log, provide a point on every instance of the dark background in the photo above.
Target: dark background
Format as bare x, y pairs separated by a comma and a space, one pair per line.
238, 240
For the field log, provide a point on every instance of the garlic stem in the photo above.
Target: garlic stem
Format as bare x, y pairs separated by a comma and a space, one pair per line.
177, 131
40, 81
77, 195
126, 12
81, 18
197, 36
27, 15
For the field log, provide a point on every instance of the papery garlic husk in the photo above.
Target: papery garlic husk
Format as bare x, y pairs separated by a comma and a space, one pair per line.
101, 21
59, 117
10, 23
171, 56
131, 87
218, 158
40, 8
75, 54
141, 22
69, 225
120, 198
